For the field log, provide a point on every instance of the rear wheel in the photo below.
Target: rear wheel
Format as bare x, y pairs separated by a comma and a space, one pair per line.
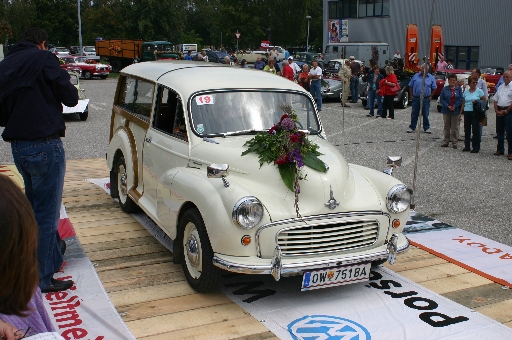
121, 183
116, 65
85, 114
197, 262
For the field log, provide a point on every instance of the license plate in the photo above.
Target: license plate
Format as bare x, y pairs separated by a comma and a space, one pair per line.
331, 277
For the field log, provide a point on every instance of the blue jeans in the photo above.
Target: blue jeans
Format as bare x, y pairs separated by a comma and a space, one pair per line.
504, 123
316, 91
354, 89
372, 97
471, 125
42, 164
416, 112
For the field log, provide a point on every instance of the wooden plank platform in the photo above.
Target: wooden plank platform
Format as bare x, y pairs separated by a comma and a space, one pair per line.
156, 302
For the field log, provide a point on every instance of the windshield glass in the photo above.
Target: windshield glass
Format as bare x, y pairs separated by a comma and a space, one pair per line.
334, 65
81, 59
89, 49
218, 113
164, 47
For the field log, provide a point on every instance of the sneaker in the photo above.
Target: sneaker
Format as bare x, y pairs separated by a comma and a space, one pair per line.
369, 115
409, 131
390, 118
377, 116
427, 131
57, 286
444, 145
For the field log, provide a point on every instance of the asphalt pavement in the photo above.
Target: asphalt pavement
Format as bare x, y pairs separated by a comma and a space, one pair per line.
469, 191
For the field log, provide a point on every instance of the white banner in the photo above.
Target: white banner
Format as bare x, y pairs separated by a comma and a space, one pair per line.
389, 306
84, 311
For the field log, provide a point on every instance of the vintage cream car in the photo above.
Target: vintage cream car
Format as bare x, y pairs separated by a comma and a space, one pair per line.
177, 134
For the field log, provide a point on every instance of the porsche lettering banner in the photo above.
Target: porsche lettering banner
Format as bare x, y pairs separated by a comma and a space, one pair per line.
388, 306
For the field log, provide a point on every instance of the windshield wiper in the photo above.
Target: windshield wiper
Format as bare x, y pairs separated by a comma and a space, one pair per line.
242, 132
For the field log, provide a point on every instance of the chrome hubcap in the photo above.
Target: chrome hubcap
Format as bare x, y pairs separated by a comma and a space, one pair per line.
122, 180
192, 251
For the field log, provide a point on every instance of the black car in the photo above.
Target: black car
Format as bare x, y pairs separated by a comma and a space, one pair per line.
401, 100
217, 56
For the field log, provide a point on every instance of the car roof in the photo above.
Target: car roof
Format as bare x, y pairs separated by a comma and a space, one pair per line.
206, 76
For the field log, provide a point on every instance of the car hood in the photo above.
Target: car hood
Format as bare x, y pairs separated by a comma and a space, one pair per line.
266, 184
97, 64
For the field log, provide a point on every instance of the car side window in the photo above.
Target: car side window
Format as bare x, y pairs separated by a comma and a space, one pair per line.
169, 114
137, 97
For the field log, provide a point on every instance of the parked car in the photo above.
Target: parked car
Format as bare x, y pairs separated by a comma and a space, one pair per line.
401, 100
217, 56
308, 57
334, 66
90, 53
331, 88
88, 69
82, 108
177, 134
60, 51
492, 74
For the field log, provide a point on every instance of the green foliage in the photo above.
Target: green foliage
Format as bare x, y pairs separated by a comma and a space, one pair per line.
204, 22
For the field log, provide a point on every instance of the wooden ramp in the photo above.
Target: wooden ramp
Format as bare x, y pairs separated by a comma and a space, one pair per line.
155, 301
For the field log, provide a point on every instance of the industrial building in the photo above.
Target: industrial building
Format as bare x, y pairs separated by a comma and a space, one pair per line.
475, 32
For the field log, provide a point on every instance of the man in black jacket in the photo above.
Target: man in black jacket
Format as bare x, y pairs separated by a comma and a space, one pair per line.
33, 88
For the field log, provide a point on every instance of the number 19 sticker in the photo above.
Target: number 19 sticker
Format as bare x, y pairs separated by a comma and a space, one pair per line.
204, 100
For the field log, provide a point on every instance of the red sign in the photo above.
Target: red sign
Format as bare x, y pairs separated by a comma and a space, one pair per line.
237, 35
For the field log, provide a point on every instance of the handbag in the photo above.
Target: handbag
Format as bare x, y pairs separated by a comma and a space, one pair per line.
394, 90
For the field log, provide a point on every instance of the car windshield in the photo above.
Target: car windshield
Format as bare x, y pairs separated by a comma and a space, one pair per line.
164, 47
334, 65
80, 59
220, 113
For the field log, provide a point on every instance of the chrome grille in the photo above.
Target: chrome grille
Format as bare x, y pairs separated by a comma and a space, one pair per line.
327, 238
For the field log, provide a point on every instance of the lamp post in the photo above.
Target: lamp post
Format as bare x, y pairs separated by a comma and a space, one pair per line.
307, 39
80, 48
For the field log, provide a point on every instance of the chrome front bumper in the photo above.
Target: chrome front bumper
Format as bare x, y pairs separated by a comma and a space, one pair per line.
277, 268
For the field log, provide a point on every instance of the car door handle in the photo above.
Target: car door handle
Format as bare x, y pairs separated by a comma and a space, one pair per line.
148, 139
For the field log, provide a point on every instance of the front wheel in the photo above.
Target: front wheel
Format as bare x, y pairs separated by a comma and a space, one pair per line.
87, 75
197, 262
103, 77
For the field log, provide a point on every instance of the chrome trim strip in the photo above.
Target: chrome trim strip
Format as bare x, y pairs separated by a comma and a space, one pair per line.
297, 268
330, 251
317, 217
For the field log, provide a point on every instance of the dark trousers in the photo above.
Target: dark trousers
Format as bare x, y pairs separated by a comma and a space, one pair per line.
471, 125
504, 124
388, 103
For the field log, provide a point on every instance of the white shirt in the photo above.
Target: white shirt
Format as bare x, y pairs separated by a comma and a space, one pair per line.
295, 68
318, 71
397, 56
503, 96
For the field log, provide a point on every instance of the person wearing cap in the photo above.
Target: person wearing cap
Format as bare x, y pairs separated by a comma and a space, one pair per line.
259, 64
315, 86
296, 68
354, 81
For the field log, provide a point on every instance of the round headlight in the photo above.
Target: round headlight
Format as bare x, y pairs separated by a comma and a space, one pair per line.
399, 198
247, 212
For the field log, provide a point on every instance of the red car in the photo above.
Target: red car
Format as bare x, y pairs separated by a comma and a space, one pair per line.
441, 79
492, 73
88, 68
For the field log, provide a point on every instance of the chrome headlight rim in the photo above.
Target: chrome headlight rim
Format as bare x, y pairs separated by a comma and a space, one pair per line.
396, 189
236, 211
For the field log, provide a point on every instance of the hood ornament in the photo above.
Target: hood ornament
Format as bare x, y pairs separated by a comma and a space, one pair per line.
332, 203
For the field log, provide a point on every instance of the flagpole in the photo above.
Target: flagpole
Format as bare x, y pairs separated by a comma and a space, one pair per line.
420, 114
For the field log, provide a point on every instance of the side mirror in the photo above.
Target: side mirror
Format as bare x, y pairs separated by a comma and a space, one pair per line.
218, 171
392, 162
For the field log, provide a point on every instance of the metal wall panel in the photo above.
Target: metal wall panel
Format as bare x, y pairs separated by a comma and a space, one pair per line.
487, 24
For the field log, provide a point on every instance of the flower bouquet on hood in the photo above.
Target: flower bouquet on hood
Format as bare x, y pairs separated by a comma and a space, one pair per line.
289, 148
